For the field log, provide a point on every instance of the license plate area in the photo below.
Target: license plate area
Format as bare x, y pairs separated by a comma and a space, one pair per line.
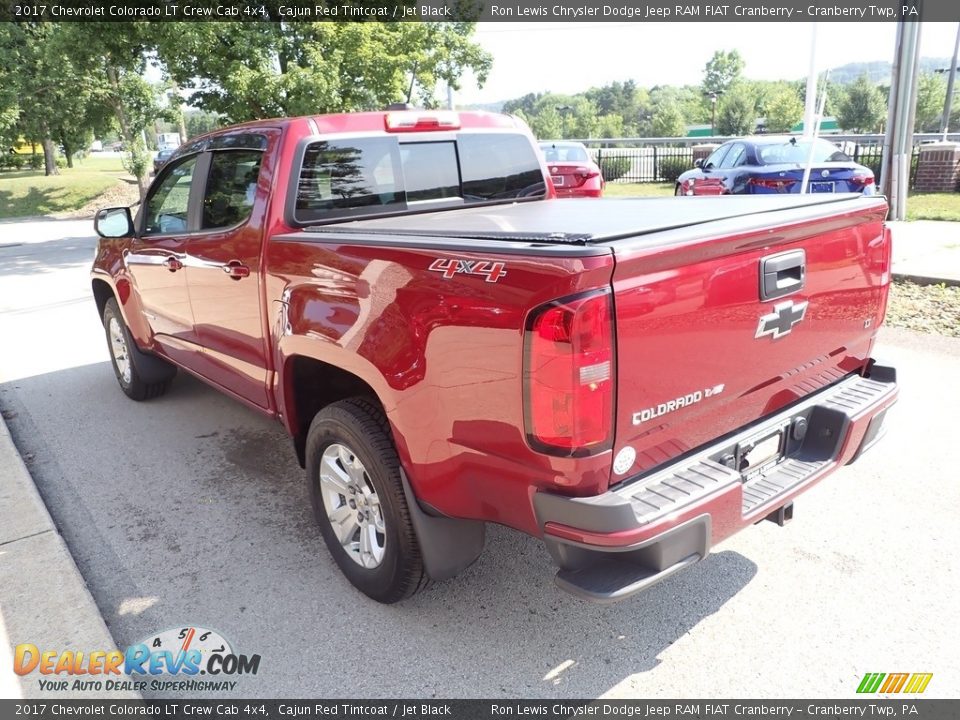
557, 179
760, 453
821, 187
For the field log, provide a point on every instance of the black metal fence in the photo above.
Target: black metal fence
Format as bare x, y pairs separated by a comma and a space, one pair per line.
651, 161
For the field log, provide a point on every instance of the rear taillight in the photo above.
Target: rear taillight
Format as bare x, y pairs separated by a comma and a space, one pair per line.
862, 179
775, 184
569, 375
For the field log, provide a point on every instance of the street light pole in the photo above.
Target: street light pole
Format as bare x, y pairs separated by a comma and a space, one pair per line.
948, 103
563, 110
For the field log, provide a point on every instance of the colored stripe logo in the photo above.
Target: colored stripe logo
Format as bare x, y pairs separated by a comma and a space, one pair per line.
893, 683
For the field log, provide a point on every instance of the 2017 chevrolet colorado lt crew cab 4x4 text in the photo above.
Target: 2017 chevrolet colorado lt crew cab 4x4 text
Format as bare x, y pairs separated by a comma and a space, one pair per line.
449, 344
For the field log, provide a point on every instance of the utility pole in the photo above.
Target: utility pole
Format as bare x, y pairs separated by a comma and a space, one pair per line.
948, 102
810, 106
898, 142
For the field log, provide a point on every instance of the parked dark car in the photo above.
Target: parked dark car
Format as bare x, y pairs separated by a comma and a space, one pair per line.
161, 159
574, 172
775, 165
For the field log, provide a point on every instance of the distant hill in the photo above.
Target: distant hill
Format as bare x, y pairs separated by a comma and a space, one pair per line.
879, 70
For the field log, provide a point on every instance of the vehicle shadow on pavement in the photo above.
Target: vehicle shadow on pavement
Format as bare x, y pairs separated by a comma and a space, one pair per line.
192, 510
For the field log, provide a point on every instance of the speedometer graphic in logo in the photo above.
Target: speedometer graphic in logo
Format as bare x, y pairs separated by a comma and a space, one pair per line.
180, 642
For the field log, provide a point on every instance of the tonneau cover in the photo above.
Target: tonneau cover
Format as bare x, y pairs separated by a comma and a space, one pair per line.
581, 221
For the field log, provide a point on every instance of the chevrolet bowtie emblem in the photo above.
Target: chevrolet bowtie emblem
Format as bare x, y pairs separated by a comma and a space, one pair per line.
782, 319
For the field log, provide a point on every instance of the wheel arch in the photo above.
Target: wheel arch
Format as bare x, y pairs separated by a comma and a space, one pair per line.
309, 385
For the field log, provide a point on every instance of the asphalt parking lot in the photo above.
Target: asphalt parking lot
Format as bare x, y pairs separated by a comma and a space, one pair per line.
192, 510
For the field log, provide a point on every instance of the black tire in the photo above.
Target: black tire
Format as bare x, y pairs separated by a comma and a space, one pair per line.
360, 425
677, 191
148, 376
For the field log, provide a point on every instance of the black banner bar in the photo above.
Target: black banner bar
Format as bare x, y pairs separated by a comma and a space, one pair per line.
905, 707
483, 10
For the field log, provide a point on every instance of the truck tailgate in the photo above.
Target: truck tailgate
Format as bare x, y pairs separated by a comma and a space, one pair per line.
721, 324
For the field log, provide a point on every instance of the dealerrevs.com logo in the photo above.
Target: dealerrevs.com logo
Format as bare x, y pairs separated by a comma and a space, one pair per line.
188, 659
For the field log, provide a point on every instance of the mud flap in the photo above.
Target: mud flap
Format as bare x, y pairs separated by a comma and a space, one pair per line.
447, 545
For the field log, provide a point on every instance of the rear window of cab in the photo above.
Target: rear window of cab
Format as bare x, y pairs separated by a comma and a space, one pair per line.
349, 177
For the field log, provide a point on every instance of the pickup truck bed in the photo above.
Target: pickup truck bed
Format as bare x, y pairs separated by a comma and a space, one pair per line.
605, 220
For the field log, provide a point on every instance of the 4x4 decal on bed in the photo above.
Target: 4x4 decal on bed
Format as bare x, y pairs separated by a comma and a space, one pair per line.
492, 270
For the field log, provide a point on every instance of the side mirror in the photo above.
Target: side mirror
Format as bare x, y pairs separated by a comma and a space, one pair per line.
113, 222
698, 163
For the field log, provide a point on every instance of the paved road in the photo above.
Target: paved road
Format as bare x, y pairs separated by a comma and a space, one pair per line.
192, 510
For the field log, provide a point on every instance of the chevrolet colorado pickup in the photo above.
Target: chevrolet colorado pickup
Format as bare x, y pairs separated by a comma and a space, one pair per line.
448, 344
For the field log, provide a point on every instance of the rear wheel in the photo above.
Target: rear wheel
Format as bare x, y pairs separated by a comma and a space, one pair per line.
677, 190
358, 501
141, 376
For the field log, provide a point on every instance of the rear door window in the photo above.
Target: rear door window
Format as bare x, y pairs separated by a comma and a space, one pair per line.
231, 187
375, 175
716, 157
734, 157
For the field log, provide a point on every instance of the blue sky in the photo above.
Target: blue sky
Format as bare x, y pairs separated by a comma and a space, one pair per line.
570, 57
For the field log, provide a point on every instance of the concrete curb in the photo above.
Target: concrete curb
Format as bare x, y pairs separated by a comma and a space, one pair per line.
926, 279
43, 598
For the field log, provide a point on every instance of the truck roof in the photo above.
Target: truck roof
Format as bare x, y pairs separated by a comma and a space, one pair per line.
578, 221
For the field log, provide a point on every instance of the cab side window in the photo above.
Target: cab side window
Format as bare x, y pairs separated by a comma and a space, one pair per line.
735, 157
231, 188
716, 157
167, 206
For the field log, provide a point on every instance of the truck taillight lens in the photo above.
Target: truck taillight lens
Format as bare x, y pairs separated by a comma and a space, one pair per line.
569, 375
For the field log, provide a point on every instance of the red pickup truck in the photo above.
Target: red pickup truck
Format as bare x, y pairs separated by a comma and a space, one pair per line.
449, 344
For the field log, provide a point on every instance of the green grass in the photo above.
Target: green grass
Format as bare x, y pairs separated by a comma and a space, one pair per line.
638, 189
933, 206
26, 193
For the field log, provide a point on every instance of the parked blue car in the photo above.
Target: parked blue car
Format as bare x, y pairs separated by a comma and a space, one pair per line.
775, 164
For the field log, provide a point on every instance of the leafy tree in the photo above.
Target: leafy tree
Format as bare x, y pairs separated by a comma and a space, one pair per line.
782, 109
862, 107
275, 69
931, 93
547, 124
199, 123
115, 54
721, 71
610, 126
737, 113
668, 120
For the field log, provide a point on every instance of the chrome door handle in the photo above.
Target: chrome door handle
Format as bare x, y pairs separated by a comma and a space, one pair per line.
236, 270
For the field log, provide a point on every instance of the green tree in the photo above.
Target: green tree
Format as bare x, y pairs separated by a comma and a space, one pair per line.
721, 71
199, 122
782, 109
737, 113
280, 69
546, 124
931, 93
668, 120
862, 107
610, 126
